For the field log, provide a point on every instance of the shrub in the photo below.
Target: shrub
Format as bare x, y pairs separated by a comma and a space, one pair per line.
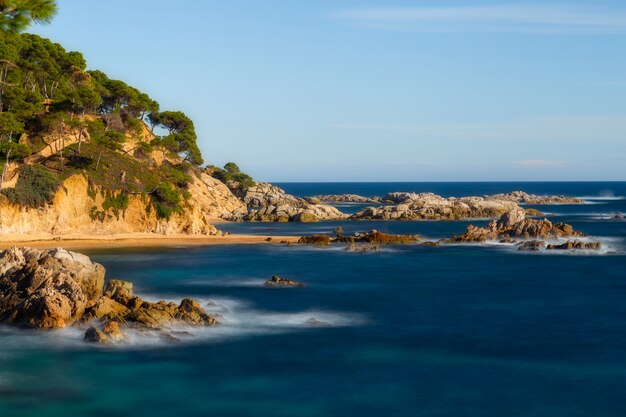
35, 187
232, 173
166, 200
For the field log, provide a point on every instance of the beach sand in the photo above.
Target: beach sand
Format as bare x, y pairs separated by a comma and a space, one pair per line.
135, 240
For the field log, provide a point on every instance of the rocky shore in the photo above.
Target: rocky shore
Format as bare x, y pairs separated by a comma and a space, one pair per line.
269, 203
55, 288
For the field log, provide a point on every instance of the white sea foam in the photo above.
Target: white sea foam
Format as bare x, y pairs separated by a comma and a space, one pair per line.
602, 198
229, 282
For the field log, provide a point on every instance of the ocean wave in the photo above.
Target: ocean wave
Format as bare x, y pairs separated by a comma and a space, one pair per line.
602, 198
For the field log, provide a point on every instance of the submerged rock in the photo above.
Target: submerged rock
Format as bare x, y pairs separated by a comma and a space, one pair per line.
313, 322
277, 281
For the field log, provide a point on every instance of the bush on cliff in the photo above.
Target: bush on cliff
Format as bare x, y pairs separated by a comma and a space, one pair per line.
166, 200
231, 173
35, 187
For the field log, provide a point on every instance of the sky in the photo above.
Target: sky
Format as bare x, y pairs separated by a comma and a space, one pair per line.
378, 90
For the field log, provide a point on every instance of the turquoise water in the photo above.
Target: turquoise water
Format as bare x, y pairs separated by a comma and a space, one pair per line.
411, 331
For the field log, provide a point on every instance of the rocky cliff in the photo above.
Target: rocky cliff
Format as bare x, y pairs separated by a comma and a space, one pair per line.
78, 208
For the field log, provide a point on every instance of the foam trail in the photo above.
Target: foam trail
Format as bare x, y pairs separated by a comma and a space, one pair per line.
237, 319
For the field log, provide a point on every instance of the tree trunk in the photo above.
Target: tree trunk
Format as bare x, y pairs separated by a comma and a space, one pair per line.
5, 169
98, 163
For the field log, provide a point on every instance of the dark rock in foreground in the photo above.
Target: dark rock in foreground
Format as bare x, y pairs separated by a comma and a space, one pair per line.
47, 289
277, 281
51, 289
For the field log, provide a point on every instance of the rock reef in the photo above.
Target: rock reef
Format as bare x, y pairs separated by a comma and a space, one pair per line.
514, 225
52, 289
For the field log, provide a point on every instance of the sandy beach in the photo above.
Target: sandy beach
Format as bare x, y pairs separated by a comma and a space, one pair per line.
136, 240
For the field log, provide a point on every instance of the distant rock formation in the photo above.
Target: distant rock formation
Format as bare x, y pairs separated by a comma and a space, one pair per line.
345, 198
429, 206
525, 198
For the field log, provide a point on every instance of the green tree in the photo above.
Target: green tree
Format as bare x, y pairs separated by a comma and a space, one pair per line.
182, 135
17, 15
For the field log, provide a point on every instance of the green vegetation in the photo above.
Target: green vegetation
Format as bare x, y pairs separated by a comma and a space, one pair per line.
16, 15
47, 95
166, 200
35, 187
46, 91
232, 174
48, 98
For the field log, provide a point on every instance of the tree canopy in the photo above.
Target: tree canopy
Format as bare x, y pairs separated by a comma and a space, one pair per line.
41, 82
17, 15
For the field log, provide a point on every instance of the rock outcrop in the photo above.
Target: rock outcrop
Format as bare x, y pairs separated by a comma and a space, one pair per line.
513, 226
119, 304
428, 206
47, 289
277, 281
575, 245
51, 289
521, 197
345, 198
373, 237
269, 203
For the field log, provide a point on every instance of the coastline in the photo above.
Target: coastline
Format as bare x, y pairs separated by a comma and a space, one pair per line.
135, 240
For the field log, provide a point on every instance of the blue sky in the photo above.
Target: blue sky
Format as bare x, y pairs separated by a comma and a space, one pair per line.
376, 90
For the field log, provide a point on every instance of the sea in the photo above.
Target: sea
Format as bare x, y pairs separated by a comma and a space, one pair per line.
454, 330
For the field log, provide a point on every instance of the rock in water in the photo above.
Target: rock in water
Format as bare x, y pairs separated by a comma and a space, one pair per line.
513, 226
531, 246
277, 281
575, 245
93, 335
47, 289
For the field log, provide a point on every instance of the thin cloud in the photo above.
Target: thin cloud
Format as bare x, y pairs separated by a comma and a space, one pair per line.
506, 18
